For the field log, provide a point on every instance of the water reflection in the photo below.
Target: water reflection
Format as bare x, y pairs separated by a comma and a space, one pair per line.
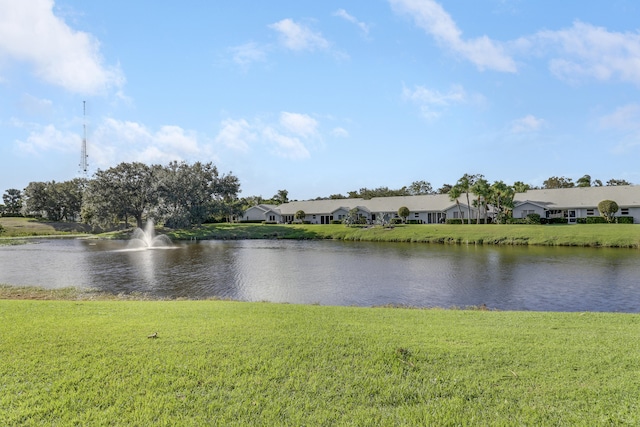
340, 273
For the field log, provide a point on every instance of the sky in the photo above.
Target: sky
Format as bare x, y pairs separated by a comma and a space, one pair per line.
322, 97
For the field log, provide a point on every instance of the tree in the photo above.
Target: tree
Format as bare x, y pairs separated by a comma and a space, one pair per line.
614, 182
281, 197
584, 181
482, 190
352, 217
521, 187
454, 194
501, 197
463, 186
420, 187
190, 194
115, 194
608, 209
558, 182
56, 201
12, 199
445, 189
403, 213
300, 215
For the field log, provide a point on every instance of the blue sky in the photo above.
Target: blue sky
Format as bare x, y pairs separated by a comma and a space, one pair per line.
323, 97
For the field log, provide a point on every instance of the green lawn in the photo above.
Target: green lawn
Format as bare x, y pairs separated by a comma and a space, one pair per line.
599, 235
230, 363
606, 235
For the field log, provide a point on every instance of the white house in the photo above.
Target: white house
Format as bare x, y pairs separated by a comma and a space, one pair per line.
577, 202
426, 209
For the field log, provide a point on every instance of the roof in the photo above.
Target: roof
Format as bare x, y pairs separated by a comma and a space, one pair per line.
423, 203
581, 197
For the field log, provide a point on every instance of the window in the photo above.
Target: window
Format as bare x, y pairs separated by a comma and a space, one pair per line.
589, 212
417, 215
624, 211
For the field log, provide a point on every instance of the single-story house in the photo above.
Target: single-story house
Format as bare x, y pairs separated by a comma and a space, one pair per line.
426, 209
577, 202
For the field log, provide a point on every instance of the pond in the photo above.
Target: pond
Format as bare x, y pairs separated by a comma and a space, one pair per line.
340, 273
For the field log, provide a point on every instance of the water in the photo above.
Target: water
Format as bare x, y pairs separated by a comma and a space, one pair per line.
340, 273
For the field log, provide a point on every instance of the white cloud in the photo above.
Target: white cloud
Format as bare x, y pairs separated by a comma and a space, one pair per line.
346, 16
59, 55
623, 118
288, 137
586, 51
299, 124
115, 141
248, 53
286, 146
48, 138
298, 37
528, 123
432, 102
340, 132
625, 122
236, 134
431, 17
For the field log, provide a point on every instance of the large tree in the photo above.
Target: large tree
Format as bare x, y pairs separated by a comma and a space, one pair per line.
501, 197
56, 201
420, 187
123, 191
12, 199
191, 194
558, 182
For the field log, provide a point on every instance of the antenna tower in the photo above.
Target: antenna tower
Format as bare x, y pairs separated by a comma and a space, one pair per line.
84, 165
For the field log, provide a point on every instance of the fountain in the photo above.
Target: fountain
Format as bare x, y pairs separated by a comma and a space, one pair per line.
147, 239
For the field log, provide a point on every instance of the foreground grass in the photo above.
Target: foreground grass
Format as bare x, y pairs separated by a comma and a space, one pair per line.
230, 363
597, 235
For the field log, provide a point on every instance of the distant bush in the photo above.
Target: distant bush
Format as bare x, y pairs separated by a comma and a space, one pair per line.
624, 220
454, 221
252, 221
533, 218
336, 221
396, 221
591, 220
414, 221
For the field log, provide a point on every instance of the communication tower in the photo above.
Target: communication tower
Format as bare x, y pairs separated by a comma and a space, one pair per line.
84, 165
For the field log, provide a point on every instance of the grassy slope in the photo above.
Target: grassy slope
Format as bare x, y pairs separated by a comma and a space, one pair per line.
26, 227
228, 363
608, 235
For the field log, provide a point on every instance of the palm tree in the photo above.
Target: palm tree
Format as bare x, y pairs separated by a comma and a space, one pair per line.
482, 191
464, 184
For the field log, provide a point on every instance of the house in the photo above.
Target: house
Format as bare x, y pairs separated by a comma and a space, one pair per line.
425, 209
577, 202
262, 212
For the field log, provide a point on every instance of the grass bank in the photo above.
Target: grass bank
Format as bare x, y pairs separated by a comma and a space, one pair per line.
596, 235
31, 227
228, 363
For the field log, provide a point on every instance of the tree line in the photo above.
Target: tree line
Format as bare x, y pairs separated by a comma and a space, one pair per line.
178, 194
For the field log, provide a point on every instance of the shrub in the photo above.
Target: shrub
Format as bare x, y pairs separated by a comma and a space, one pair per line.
624, 220
414, 221
336, 221
454, 221
608, 209
533, 218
